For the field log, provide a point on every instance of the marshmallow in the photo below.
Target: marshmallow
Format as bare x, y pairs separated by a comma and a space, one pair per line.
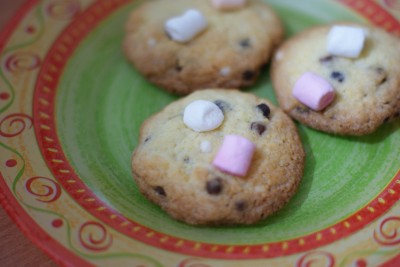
313, 91
205, 147
228, 4
345, 41
202, 116
234, 156
225, 71
185, 27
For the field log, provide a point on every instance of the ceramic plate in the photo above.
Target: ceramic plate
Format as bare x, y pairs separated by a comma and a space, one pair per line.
70, 110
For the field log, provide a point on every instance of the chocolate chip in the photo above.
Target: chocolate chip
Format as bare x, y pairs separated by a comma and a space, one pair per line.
258, 127
245, 43
326, 60
178, 68
386, 119
248, 75
160, 190
302, 110
223, 106
214, 186
241, 205
337, 76
266, 111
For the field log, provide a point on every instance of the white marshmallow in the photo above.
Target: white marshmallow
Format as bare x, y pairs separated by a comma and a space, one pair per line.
225, 71
185, 27
205, 147
346, 41
202, 116
228, 4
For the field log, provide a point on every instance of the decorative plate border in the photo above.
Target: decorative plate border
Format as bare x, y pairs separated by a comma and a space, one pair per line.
45, 129
10, 204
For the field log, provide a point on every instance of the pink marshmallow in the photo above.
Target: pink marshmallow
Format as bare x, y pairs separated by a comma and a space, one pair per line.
228, 4
234, 156
313, 91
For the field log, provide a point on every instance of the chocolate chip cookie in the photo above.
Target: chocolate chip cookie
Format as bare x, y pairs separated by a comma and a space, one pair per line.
173, 164
227, 54
367, 87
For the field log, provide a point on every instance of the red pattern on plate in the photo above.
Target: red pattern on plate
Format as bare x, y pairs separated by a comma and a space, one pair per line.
4, 95
45, 128
94, 236
63, 9
319, 257
385, 237
375, 14
14, 124
34, 232
50, 192
22, 61
192, 263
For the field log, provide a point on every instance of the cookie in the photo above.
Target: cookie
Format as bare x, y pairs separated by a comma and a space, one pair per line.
228, 53
367, 85
179, 168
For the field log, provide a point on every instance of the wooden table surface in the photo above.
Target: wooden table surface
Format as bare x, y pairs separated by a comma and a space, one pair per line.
15, 248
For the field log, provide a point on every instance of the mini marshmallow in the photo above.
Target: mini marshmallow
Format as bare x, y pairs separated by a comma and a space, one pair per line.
185, 27
235, 155
202, 116
205, 147
225, 71
228, 4
346, 41
313, 91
